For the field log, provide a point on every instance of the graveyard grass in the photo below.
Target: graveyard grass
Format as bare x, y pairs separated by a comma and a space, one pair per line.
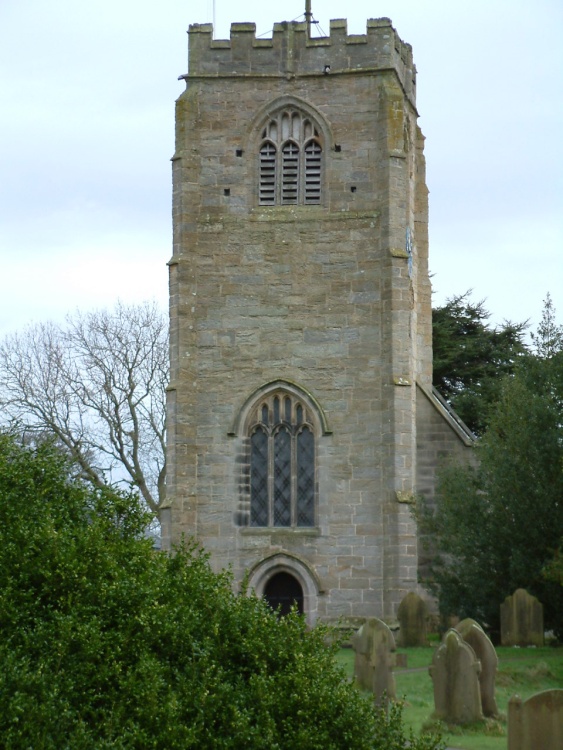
521, 671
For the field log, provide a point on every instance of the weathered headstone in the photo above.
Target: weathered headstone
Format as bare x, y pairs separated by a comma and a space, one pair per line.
521, 620
373, 665
537, 723
472, 633
455, 674
412, 615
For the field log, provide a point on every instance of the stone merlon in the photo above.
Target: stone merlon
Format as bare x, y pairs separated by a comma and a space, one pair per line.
289, 52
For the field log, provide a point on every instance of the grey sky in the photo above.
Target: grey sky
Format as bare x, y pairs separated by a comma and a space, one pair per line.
87, 124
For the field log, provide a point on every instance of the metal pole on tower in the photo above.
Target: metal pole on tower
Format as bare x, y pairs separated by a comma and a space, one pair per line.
308, 15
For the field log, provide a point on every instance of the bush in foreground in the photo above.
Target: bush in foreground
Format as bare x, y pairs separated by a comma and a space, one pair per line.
105, 643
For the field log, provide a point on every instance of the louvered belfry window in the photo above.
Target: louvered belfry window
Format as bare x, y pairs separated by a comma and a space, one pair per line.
313, 155
290, 172
267, 174
290, 167
282, 463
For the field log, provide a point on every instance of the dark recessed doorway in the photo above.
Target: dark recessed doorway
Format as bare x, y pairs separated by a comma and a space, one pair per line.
282, 591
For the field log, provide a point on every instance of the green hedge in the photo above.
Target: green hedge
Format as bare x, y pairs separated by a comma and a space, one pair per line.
106, 643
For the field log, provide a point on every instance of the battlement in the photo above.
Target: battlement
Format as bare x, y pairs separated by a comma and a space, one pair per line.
289, 52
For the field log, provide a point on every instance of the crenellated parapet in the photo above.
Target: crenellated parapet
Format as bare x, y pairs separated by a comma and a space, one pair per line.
290, 52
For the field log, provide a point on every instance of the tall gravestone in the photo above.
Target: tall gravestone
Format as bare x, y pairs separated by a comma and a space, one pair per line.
374, 647
412, 614
537, 723
521, 620
455, 673
475, 636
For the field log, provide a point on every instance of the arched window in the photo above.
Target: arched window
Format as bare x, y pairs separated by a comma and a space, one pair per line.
281, 462
290, 168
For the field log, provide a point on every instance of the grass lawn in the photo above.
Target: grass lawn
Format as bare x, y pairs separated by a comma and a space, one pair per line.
522, 671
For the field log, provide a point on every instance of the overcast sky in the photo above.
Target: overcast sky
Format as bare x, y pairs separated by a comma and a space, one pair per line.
87, 123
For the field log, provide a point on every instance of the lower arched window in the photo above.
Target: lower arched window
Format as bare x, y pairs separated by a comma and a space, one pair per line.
282, 463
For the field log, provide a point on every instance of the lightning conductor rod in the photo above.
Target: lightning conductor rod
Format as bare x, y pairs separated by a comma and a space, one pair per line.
308, 16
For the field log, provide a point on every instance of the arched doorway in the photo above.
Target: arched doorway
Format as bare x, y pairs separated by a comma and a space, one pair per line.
304, 582
282, 591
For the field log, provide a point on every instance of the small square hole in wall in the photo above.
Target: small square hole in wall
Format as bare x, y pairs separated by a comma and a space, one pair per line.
227, 191
353, 189
337, 148
238, 152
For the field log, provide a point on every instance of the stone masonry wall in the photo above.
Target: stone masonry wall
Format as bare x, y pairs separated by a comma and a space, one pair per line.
334, 298
441, 439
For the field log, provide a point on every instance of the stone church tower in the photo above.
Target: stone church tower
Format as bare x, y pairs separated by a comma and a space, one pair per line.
301, 414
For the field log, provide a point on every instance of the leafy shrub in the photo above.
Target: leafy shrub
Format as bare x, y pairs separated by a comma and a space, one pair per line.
106, 643
498, 526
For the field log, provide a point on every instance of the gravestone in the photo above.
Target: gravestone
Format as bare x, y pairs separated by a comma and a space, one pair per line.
536, 723
374, 646
521, 620
473, 634
455, 673
412, 614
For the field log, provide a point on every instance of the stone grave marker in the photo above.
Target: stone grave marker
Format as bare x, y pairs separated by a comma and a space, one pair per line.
412, 615
521, 620
455, 673
536, 723
374, 646
473, 633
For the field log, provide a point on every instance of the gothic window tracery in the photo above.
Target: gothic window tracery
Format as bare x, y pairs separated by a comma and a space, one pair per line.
290, 160
282, 463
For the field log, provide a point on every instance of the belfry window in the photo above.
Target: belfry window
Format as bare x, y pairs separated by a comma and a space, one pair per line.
282, 463
290, 167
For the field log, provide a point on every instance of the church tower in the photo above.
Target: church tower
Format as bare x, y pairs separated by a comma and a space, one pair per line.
300, 314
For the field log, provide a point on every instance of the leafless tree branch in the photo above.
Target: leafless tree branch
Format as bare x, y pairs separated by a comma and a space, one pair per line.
98, 384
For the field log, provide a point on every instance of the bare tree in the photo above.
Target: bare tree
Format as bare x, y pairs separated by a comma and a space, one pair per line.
98, 385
